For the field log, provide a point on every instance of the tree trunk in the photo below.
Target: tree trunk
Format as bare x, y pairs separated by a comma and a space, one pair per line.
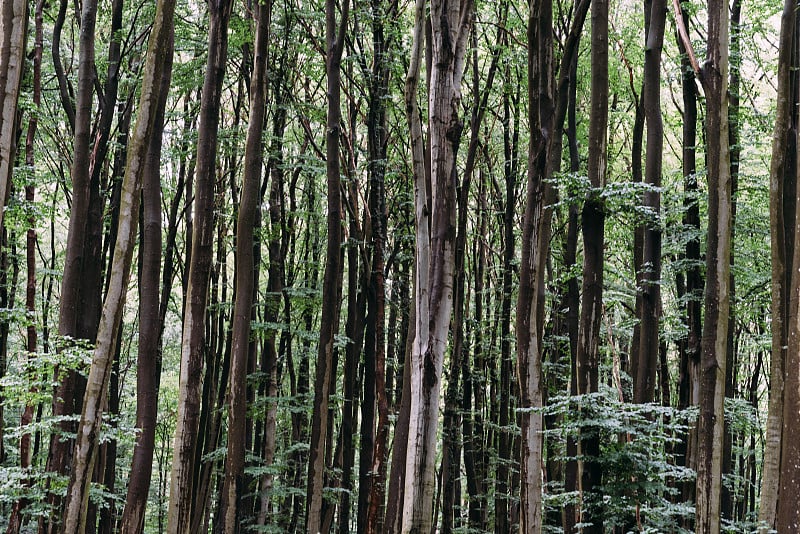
234, 486
593, 224
331, 289
182, 489
15, 520
715, 327
435, 221
13, 32
650, 275
64, 398
378, 136
99, 374
151, 322
783, 172
535, 241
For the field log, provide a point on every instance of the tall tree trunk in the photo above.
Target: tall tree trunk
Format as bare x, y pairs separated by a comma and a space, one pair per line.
727, 506
450, 28
13, 32
783, 184
650, 275
593, 225
182, 484
688, 385
151, 322
234, 487
99, 374
331, 289
15, 520
64, 398
716, 302
394, 508
535, 241
378, 137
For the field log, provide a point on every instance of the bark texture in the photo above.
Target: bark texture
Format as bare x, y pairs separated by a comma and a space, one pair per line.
435, 204
535, 247
782, 234
13, 30
717, 293
99, 375
182, 483
234, 484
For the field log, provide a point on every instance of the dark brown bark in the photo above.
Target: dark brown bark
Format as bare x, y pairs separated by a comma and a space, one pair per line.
234, 482
151, 323
783, 191
64, 398
394, 505
182, 489
716, 300
649, 277
331, 288
593, 223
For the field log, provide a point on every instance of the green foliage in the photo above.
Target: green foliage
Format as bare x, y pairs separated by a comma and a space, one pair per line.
640, 476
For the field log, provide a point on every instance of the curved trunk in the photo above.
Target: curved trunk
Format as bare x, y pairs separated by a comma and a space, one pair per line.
150, 321
99, 375
234, 486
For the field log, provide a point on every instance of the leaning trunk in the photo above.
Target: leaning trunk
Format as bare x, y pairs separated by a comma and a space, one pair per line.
99, 375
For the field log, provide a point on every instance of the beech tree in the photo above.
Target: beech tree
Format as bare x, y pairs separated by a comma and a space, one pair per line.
13, 31
342, 251
182, 480
435, 227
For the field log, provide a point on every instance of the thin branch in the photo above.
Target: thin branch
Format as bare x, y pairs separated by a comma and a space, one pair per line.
683, 33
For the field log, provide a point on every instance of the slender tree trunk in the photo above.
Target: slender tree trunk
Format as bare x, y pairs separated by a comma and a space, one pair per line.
64, 398
378, 137
650, 275
13, 32
182, 484
688, 386
334, 38
233, 487
99, 374
15, 521
593, 224
394, 506
535, 240
151, 322
783, 173
717, 304
450, 28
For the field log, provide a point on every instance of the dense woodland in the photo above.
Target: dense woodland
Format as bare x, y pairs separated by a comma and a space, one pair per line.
375, 266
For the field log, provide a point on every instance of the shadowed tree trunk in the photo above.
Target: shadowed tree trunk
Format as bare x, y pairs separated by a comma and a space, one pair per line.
98, 380
593, 225
650, 271
65, 398
234, 484
716, 301
332, 281
151, 323
783, 179
182, 483
535, 247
